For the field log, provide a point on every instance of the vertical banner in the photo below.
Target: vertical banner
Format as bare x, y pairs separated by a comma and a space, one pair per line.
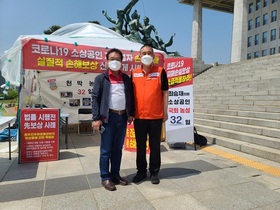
179, 126
39, 135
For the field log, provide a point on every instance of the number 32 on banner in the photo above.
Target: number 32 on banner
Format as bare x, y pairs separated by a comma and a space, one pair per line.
81, 91
176, 120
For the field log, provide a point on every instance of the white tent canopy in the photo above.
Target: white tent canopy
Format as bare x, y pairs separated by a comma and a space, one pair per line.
89, 34
37, 84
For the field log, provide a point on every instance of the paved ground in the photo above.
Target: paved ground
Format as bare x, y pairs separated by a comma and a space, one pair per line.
209, 178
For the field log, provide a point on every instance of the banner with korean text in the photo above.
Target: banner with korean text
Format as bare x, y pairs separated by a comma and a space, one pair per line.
130, 140
179, 126
58, 56
39, 135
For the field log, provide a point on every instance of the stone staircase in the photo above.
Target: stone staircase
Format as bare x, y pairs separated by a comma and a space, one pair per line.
238, 106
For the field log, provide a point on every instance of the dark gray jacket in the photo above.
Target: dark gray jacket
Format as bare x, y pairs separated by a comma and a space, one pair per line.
100, 97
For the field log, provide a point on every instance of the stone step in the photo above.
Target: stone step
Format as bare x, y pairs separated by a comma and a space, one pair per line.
232, 69
261, 140
240, 120
252, 149
265, 114
238, 106
238, 79
226, 84
240, 100
216, 111
233, 107
252, 129
243, 104
266, 62
258, 111
236, 92
269, 100
249, 92
213, 89
262, 110
247, 75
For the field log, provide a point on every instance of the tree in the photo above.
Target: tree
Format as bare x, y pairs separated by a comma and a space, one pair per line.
94, 21
52, 29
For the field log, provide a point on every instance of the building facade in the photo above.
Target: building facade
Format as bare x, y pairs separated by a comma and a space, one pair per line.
256, 26
263, 28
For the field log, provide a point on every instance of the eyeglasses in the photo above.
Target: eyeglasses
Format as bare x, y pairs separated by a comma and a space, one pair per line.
115, 59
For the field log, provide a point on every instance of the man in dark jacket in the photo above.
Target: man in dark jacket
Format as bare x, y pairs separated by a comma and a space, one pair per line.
112, 108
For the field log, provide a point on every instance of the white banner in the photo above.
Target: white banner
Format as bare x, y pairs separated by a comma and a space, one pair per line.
64, 90
179, 126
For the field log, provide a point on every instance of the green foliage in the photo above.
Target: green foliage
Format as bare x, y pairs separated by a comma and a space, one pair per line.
94, 21
12, 94
52, 29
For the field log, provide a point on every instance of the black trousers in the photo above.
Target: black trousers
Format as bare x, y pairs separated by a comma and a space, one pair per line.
153, 129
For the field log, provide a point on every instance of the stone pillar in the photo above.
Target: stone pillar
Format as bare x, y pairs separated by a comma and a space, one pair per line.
196, 52
239, 31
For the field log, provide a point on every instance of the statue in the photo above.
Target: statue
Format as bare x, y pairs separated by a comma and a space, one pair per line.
146, 30
134, 26
162, 46
137, 32
120, 17
118, 23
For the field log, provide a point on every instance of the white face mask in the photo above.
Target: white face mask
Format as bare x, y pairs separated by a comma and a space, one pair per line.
114, 65
147, 60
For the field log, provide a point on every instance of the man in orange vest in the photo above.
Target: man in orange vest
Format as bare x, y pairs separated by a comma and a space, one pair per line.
150, 86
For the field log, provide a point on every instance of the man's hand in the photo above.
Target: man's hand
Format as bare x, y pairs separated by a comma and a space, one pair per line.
130, 120
165, 117
96, 125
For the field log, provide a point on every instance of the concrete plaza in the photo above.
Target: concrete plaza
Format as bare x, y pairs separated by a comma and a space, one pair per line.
211, 177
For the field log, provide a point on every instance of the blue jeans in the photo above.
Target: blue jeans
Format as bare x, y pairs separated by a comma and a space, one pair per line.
111, 146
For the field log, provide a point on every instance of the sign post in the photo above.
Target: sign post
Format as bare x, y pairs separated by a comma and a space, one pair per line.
39, 135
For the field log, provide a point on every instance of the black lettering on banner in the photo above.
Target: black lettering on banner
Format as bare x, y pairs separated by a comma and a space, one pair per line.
176, 119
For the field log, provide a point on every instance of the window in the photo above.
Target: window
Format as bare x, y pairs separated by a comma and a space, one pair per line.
257, 39
273, 35
264, 53
265, 19
264, 37
258, 4
249, 56
273, 1
265, 3
272, 51
250, 25
273, 15
250, 8
257, 22
279, 49
256, 54
249, 44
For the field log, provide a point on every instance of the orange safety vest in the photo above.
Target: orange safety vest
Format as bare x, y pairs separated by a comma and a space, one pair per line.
148, 93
